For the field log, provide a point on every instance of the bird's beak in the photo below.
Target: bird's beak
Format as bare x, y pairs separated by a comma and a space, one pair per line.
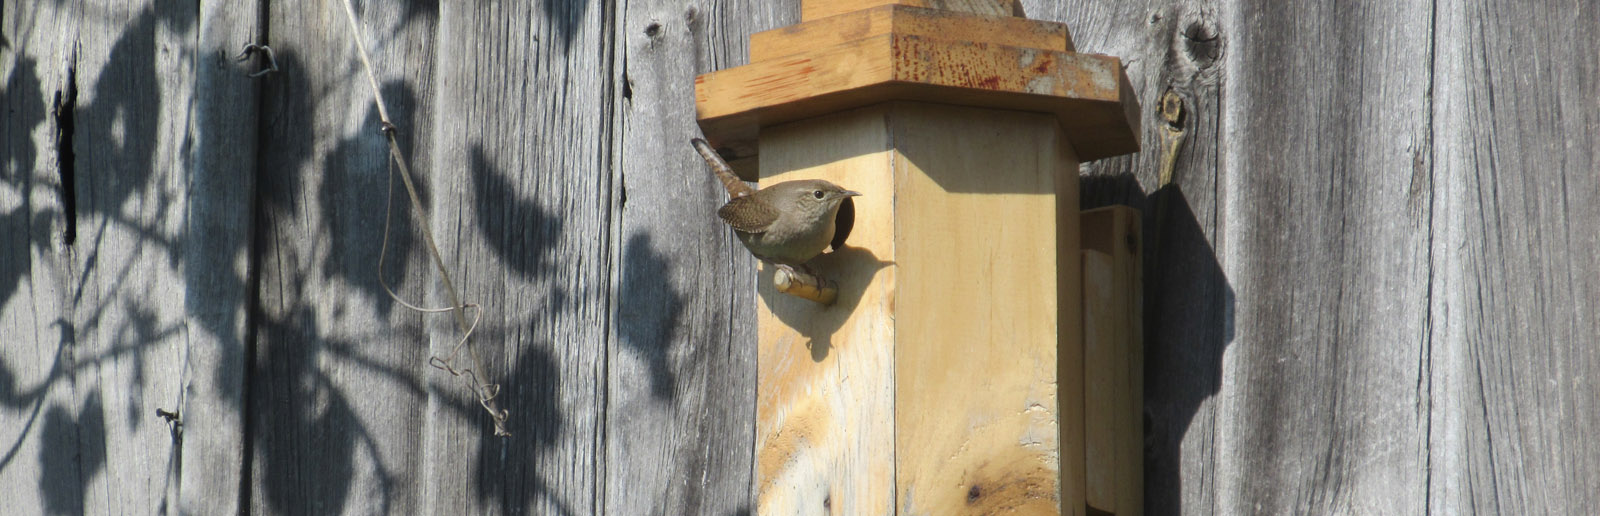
850, 193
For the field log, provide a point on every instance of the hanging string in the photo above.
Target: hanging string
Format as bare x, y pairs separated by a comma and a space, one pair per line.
486, 392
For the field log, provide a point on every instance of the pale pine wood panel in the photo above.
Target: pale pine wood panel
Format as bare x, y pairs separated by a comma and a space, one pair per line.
336, 391
680, 377
1099, 381
824, 440
1516, 287
988, 385
1113, 359
816, 9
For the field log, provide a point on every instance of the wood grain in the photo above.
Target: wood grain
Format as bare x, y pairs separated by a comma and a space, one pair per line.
337, 379
1189, 303
680, 388
1514, 284
877, 411
1323, 391
38, 283
1089, 93
218, 262
825, 420
818, 9
987, 300
92, 289
1386, 441
914, 21
524, 206
1369, 286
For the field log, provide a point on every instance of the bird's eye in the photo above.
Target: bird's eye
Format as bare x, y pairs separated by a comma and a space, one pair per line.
818, 194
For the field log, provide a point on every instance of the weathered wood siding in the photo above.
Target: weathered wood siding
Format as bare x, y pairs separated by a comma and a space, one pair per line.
1371, 284
337, 405
680, 391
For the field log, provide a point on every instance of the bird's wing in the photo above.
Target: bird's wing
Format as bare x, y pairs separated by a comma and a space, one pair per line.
748, 214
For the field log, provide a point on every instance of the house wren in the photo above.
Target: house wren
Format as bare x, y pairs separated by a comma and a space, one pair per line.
788, 223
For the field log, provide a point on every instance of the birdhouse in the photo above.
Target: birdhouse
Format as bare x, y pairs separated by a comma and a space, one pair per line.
949, 375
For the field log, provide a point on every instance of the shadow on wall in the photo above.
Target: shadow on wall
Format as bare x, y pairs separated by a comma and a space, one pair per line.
311, 444
308, 446
304, 433
522, 234
1188, 323
65, 161
352, 197
510, 470
649, 310
567, 16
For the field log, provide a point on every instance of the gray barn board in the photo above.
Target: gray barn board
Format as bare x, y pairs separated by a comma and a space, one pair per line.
1371, 283
680, 399
337, 404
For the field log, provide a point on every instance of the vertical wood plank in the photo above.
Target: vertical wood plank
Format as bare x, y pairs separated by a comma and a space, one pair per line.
337, 396
1189, 303
1516, 288
92, 289
1099, 380
825, 387
1323, 147
1325, 165
130, 120
680, 388
218, 259
37, 280
1113, 359
988, 398
523, 204
1128, 270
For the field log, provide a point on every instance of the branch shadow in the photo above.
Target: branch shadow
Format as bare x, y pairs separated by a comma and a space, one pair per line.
303, 431
309, 433
24, 228
74, 450
522, 234
106, 166
302, 414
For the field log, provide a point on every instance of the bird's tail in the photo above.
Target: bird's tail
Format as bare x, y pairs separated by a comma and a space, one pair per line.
736, 188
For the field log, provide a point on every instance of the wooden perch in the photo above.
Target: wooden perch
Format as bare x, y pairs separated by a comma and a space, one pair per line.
805, 286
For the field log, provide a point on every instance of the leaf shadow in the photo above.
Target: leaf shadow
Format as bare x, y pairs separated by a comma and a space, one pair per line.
510, 469
519, 231
649, 309
352, 200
